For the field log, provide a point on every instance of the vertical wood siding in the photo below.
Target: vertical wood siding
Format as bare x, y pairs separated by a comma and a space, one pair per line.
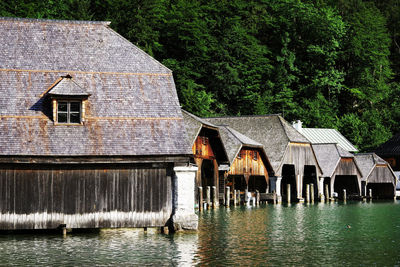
202, 148
347, 166
299, 155
381, 174
248, 162
84, 196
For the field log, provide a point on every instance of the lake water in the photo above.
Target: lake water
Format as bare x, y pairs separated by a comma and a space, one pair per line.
335, 234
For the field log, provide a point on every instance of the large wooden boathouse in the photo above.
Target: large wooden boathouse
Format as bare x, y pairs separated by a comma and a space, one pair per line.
290, 153
91, 131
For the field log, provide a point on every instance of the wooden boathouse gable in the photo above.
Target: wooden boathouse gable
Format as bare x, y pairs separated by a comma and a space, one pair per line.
249, 166
91, 131
208, 152
340, 170
377, 175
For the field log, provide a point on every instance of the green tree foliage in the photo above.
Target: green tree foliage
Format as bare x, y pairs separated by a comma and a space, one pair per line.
330, 63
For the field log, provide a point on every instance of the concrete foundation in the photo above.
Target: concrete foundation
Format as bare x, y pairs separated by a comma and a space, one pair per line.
183, 215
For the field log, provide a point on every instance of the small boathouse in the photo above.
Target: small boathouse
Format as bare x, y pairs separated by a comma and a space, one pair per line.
340, 171
249, 168
378, 178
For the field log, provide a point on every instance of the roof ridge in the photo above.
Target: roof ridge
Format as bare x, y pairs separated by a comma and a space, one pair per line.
243, 116
94, 22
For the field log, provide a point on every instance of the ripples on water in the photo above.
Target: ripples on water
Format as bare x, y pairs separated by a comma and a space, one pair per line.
321, 234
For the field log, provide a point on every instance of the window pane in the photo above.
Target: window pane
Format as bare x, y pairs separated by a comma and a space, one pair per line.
62, 106
75, 117
75, 106
62, 117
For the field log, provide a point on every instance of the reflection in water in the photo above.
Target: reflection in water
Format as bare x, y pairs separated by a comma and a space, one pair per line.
297, 234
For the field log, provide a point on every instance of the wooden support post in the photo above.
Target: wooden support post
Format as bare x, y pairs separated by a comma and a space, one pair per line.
234, 198
307, 193
214, 198
238, 197
200, 198
370, 193
288, 193
327, 192
257, 198
208, 197
246, 197
165, 230
275, 201
145, 230
64, 231
227, 196
344, 195
312, 192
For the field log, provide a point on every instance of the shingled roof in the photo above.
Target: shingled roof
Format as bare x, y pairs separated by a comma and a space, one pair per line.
272, 131
194, 125
328, 156
391, 148
133, 108
368, 161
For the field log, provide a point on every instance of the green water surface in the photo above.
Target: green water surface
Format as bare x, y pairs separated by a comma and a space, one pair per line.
334, 234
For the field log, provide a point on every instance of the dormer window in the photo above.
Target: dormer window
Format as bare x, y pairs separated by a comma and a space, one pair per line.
69, 100
69, 112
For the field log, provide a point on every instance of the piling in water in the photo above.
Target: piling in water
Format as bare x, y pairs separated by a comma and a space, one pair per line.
234, 198
227, 196
208, 196
257, 198
370, 193
327, 192
288, 193
312, 193
307, 193
214, 198
238, 197
200, 198
344, 195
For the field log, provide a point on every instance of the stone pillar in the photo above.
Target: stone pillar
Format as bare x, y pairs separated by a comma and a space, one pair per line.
321, 189
183, 215
278, 189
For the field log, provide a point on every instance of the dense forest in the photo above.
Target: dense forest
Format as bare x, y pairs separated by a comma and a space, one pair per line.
329, 63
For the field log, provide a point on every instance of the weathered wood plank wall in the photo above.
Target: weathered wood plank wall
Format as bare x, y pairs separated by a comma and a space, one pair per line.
299, 155
381, 174
347, 166
248, 162
84, 196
